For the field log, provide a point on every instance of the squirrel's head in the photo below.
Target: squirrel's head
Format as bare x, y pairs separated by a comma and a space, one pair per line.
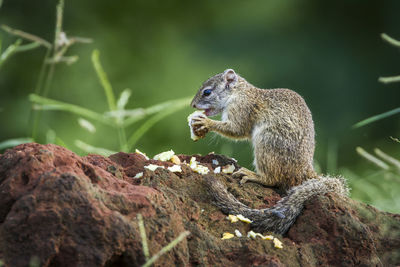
214, 93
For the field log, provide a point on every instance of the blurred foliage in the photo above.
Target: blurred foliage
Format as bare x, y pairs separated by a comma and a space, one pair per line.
329, 52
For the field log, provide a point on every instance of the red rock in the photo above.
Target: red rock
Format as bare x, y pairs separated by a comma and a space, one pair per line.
66, 210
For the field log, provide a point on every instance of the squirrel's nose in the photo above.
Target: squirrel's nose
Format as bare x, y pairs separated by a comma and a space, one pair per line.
193, 105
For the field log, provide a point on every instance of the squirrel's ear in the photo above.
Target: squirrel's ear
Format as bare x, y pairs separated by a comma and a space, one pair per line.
230, 77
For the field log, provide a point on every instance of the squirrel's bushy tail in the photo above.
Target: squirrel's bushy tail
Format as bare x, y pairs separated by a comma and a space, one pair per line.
280, 217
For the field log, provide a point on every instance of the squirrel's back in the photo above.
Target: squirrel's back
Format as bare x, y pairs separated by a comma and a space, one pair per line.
281, 131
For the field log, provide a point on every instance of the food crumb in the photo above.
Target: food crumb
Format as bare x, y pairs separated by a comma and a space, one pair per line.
153, 167
175, 160
217, 170
138, 175
243, 219
278, 243
164, 156
227, 236
238, 233
175, 168
229, 169
232, 218
141, 153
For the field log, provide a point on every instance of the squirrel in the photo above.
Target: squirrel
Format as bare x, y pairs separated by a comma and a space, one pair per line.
279, 124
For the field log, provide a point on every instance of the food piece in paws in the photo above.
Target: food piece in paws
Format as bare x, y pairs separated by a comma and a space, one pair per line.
195, 133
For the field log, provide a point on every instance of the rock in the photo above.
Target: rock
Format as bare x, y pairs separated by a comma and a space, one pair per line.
64, 210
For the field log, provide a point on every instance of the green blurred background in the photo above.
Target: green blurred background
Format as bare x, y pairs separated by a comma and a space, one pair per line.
330, 52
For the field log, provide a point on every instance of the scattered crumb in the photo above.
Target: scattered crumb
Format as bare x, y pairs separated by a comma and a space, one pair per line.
164, 156
197, 167
238, 233
138, 175
192, 162
227, 236
141, 153
215, 162
251, 234
175, 160
153, 167
175, 168
232, 218
229, 169
267, 237
243, 219
217, 170
190, 118
278, 243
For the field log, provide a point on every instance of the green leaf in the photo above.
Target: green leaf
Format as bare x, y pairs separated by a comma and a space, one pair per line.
50, 104
92, 149
376, 118
15, 142
103, 80
178, 104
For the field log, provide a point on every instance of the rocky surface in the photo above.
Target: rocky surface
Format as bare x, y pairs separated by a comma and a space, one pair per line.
64, 210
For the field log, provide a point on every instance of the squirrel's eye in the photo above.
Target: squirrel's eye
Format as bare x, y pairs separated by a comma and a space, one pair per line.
207, 92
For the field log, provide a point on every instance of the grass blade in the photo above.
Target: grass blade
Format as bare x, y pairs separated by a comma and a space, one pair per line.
142, 231
59, 19
50, 104
138, 114
153, 120
27, 47
14, 142
123, 99
103, 80
387, 80
395, 162
166, 248
9, 51
372, 158
390, 40
92, 149
376, 118
87, 125
26, 36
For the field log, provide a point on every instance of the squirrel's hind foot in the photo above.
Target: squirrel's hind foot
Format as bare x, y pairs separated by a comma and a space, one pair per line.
246, 176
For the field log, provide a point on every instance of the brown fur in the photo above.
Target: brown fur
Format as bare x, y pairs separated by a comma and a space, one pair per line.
280, 127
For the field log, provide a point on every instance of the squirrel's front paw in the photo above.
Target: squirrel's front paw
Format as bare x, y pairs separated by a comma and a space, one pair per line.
200, 126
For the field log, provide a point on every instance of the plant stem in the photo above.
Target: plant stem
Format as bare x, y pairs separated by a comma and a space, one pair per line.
372, 158
36, 114
26, 36
390, 40
376, 118
104, 80
392, 79
142, 231
166, 248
